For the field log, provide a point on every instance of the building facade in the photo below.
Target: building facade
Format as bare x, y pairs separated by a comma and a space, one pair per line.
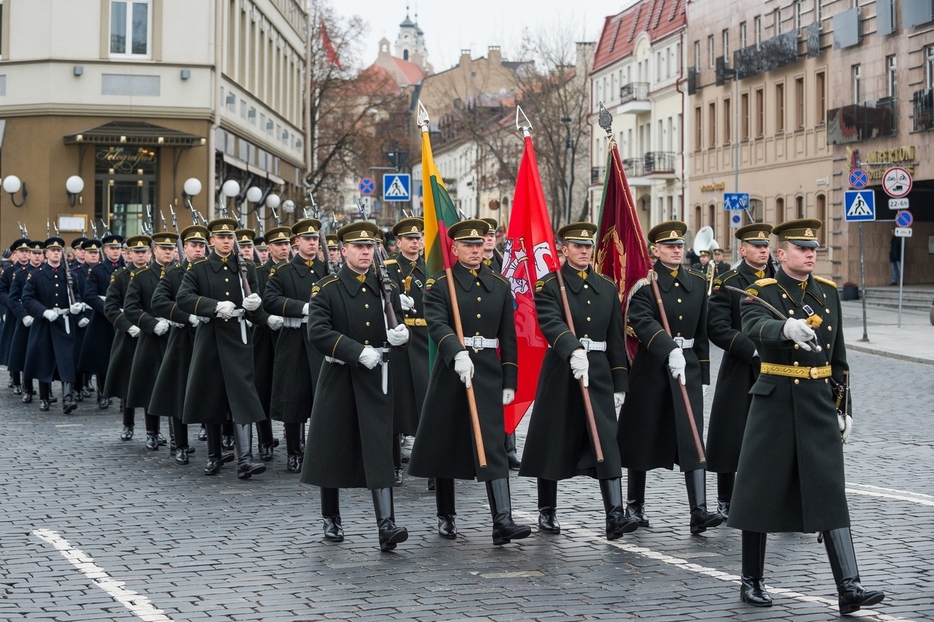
136, 96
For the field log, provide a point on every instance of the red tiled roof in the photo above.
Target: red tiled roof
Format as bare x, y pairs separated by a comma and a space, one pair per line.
412, 72
659, 18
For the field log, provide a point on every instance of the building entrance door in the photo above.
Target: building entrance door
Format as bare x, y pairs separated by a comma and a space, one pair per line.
125, 187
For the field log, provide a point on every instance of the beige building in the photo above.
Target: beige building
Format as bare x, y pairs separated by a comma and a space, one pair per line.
638, 75
136, 96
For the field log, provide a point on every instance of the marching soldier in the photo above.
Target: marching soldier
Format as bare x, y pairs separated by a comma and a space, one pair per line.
334, 253
153, 337
91, 254
220, 381
50, 351
701, 265
16, 361
558, 445
740, 364
78, 249
653, 430
19, 256
409, 367
791, 475
297, 363
98, 340
168, 392
125, 332
350, 432
721, 266
261, 249
486, 360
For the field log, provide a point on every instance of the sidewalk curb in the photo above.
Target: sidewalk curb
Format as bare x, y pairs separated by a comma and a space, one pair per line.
887, 354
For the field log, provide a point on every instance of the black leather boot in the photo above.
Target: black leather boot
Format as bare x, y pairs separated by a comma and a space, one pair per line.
68, 398
76, 387
398, 473
752, 588
390, 534
444, 500
243, 440
182, 449
852, 595
635, 497
504, 529
511, 455
202, 433
617, 523
547, 506
330, 510
215, 451
725, 493
152, 432
701, 519
227, 435
292, 433
264, 437
44, 400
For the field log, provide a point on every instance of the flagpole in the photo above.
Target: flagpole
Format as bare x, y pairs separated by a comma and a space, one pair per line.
458, 326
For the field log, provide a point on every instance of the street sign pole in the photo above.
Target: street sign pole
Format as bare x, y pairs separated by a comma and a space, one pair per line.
862, 281
901, 281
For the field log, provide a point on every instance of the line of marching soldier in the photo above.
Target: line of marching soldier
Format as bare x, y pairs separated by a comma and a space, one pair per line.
344, 347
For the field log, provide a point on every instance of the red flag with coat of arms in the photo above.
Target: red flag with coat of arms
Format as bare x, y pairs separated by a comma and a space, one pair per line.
529, 255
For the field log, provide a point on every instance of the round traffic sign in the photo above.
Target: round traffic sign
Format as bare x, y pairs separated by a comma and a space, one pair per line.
904, 218
858, 179
736, 220
367, 186
896, 182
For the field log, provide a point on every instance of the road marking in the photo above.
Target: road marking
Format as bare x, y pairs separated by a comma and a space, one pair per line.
712, 572
139, 605
891, 493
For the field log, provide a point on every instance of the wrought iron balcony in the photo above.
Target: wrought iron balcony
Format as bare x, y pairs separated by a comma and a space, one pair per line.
659, 162
634, 167
597, 175
923, 106
633, 91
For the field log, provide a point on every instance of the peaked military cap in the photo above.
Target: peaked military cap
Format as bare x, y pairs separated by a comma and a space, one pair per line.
91, 245
333, 242
259, 242
36, 245
20, 244
245, 236
77, 242
802, 232
278, 234
307, 227
360, 232
112, 239
54, 242
670, 232
138, 243
493, 224
409, 227
165, 238
223, 225
471, 230
195, 233
578, 232
756, 234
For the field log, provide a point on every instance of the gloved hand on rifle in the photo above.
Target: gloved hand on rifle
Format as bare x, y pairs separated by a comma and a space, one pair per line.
580, 366
274, 322
408, 303
370, 357
225, 309
162, 327
846, 426
76, 308
397, 336
252, 302
799, 332
464, 367
677, 365
508, 396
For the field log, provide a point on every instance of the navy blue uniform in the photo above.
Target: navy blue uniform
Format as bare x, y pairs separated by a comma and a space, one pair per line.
98, 340
50, 349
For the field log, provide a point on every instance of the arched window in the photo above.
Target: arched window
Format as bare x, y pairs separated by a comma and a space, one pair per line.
779, 211
799, 207
822, 216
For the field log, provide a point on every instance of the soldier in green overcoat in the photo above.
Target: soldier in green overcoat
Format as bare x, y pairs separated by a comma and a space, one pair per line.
485, 360
791, 476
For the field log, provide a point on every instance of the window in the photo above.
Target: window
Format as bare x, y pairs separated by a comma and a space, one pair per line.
130, 27
758, 25
797, 14
799, 104
742, 35
777, 17
697, 55
697, 128
760, 113
929, 66
712, 121
744, 116
727, 122
822, 216
857, 79
726, 45
779, 211
799, 207
779, 108
710, 52
890, 73
819, 13
821, 98
679, 130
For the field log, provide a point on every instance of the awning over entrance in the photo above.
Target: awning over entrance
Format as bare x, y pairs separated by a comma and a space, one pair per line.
134, 133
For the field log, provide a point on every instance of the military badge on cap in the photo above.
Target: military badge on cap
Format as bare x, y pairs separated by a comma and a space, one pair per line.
195, 233
409, 227
671, 232
360, 232
309, 227
757, 233
469, 230
802, 232
578, 232
165, 238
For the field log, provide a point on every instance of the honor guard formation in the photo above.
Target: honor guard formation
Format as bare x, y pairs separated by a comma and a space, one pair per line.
357, 353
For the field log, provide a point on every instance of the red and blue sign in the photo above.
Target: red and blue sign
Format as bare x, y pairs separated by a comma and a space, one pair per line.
858, 178
367, 186
904, 218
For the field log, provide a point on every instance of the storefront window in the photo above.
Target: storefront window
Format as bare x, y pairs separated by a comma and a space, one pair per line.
125, 186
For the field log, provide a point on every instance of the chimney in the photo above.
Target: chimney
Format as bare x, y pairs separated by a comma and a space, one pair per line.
494, 55
465, 57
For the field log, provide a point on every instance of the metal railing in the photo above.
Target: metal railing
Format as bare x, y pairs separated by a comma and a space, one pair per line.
633, 91
659, 162
923, 106
634, 167
597, 174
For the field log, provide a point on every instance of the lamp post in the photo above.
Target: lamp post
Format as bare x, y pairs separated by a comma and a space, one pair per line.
569, 176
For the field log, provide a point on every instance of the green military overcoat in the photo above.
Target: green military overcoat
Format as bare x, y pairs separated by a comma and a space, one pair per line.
124, 347
150, 347
409, 367
168, 393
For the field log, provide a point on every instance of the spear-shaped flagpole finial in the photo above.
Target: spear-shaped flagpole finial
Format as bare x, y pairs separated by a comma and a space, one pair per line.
525, 128
606, 120
422, 118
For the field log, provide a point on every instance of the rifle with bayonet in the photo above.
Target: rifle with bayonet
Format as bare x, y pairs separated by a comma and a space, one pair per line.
48, 229
94, 230
178, 240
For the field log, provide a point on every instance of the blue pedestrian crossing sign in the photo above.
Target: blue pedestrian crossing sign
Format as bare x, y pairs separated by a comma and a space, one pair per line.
735, 200
859, 205
397, 187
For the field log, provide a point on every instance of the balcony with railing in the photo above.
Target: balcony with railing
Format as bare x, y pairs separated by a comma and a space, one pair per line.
634, 98
659, 163
597, 175
923, 110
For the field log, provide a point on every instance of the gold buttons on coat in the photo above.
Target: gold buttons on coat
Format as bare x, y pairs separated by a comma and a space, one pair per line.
367, 323
366, 306
797, 381
478, 316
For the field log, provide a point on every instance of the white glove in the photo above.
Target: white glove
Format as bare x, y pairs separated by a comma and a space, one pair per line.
133, 331
677, 365
28, 320
508, 396
408, 303
706, 388
464, 367
76, 308
83, 322
369, 358
252, 302
846, 426
799, 332
619, 399
225, 309
305, 309
580, 366
274, 322
397, 336
50, 315
162, 327
194, 320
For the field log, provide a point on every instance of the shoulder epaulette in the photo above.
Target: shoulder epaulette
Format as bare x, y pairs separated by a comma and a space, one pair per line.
141, 270
607, 279
501, 278
727, 276
764, 282
200, 261
317, 287
391, 262
821, 279
539, 284
702, 277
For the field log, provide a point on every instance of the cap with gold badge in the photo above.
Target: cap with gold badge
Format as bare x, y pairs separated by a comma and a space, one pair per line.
802, 232
245, 236
493, 224
112, 240
222, 225
77, 242
36, 246
91, 245
165, 239
54, 243
19, 245
195, 233
278, 234
307, 228
139, 243
578, 232
360, 232
333, 242
409, 227
260, 243
670, 232
756, 234
471, 230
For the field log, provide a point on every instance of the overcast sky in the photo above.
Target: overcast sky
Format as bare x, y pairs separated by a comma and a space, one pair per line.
450, 26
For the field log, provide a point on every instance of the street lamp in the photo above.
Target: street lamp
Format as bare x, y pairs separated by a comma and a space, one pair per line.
74, 186
191, 188
12, 184
569, 145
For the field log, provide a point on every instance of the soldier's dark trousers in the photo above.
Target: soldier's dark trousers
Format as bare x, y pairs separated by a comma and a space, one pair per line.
293, 444
331, 512
851, 594
725, 492
444, 502
45, 390
28, 390
152, 431
243, 441
179, 432
129, 417
265, 439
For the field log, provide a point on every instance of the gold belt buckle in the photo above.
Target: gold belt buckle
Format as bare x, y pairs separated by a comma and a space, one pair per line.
813, 373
